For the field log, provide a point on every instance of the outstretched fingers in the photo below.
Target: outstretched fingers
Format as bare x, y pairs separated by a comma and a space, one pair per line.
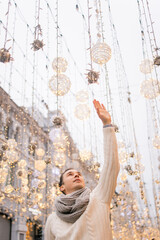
103, 107
97, 105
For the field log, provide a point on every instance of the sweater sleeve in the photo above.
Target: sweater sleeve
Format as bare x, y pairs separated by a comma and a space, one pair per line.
108, 179
47, 234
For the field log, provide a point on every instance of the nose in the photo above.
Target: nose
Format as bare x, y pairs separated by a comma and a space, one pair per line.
76, 175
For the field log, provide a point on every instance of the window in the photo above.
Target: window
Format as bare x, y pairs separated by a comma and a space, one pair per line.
21, 236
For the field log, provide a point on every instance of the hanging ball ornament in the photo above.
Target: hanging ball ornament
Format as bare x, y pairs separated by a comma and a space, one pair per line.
92, 76
82, 96
157, 61
82, 111
59, 64
101, 53
37, 44
57, 121
21, 173
40, 165
63, 87
146, 66
5, 56
12, 144
150, 88
156, 142
40, 152
12, 156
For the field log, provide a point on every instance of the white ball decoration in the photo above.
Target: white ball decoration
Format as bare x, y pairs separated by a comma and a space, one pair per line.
40, 165
64, 84
156, 142
40, 152
59, 64
82, 111
150, 89
12, 156
146, 66
11, 143
101, 53
82, 96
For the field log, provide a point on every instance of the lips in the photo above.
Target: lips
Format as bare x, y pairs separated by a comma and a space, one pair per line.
77, 180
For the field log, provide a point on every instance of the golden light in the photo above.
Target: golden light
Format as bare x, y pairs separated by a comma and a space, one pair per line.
8, 189
59, 159
123, 156
156, 142
85, 155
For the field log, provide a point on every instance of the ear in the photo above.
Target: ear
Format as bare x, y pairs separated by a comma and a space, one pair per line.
62, 188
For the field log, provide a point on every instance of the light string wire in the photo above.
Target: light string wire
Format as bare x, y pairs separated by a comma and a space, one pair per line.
57, 37
125, 83
150, 152
108, 93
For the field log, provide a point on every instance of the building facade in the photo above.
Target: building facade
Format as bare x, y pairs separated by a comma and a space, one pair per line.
33, 153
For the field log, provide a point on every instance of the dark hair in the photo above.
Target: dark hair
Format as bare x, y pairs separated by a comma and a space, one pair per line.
61, 177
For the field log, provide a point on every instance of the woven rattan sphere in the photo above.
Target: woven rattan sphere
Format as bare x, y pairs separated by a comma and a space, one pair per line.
150, 89
63, 87
146, 66
82, 111
59, 65
101, 53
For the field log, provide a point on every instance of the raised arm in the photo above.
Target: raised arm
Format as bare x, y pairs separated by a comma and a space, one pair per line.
108, 179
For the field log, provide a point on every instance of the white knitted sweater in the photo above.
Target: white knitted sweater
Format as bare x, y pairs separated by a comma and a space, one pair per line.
94, 223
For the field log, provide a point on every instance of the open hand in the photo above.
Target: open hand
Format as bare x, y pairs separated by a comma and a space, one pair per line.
102, 112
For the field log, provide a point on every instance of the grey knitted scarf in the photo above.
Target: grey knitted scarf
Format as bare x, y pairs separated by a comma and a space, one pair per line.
71, 206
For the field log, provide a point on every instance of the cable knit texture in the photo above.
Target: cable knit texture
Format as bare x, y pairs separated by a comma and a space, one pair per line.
71, 206
94, 223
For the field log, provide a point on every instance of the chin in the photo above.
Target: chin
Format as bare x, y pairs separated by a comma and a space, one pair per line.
79, 186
